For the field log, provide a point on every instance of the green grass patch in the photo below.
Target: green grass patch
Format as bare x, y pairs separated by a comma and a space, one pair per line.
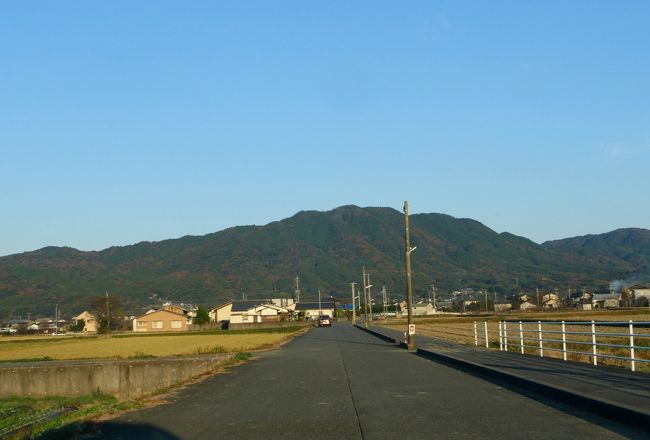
26, 417
242, 356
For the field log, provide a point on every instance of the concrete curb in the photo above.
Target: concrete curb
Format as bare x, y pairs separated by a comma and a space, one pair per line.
615, 411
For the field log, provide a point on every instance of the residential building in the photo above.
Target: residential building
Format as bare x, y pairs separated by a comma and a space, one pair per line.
90, 321
314, 309
606, 300
641, 295
258, 314
238, 312
162, 320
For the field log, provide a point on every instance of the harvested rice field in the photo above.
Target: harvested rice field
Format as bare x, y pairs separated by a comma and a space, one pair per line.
107, 347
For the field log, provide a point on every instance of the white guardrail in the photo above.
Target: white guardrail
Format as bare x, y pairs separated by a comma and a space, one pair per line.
600, 339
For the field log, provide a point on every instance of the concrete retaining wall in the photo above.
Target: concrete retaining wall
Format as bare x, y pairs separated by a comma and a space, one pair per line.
124, 379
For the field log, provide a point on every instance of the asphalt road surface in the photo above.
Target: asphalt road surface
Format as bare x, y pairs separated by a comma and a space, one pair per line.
341, 383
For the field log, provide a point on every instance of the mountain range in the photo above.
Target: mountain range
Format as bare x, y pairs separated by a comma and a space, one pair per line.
328, 251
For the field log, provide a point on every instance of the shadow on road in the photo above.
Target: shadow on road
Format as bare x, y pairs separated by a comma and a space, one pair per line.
385, 344
108, 430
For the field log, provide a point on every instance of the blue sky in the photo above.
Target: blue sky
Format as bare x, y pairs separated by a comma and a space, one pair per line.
127, 121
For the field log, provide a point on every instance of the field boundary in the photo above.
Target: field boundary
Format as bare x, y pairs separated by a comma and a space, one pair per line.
123, 379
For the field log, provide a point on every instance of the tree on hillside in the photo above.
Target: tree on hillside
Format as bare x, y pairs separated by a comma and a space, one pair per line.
202, 316
109, 311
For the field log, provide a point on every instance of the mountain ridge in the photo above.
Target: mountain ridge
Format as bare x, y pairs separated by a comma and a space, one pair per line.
327, 249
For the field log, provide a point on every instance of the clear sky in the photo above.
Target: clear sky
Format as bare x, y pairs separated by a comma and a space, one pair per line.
124, 121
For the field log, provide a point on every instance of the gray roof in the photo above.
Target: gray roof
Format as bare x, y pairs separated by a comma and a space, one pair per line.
601, 296
242, 306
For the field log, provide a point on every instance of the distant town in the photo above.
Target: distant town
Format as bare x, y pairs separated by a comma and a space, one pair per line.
172, 316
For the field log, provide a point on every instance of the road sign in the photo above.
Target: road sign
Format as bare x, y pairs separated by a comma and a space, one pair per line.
411, 329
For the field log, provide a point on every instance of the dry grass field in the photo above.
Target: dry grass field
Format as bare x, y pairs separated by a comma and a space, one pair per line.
102, 347
460, 329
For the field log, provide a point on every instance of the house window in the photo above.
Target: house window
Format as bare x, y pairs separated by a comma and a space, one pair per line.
177, 324
244, 317
142, 323
156, 324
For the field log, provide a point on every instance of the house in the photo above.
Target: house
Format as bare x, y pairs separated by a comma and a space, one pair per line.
420, 309
581, 299
502, 307
551, 301
283, 302
238, 312
606, 300
223, 312
641, 295
220, 313
258, 314
163, 320
90, 322
527, 305
314, 309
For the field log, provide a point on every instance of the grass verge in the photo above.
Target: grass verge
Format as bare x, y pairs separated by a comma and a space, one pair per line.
26, 417
61, 418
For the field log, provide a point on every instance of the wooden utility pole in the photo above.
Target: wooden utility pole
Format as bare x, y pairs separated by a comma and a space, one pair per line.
486, 302
108, 315
368, 286
433, 296
384, 295
320, 312
354, 309
409, 286
365, 299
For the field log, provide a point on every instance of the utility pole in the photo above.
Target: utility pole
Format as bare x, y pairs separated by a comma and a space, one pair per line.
56, 321
108, 315
320, 312
297, 289
433, 296
409, 285
368, 286
538, 303
365, 298
486, 305
383, 291
354, 310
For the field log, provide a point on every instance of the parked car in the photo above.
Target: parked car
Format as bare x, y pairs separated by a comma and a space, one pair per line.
324, 321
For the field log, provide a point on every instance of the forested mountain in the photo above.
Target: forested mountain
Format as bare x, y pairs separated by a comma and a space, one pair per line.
627, 248
328, 251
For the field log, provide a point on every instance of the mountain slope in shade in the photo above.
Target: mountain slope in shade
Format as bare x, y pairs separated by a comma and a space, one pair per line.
327, 250
628, 248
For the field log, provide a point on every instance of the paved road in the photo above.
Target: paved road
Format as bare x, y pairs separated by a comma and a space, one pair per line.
341, 383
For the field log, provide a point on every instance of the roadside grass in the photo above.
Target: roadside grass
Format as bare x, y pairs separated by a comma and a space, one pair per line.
26, 417
62, 418
144, 346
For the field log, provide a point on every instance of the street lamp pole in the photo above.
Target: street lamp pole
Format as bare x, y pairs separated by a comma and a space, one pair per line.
409, 285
